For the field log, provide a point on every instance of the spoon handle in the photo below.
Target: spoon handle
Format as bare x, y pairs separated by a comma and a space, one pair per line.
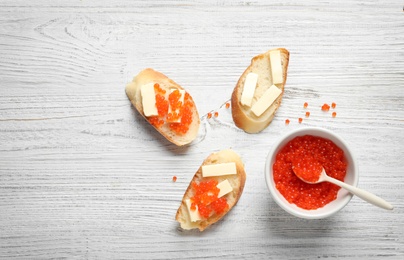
365, 195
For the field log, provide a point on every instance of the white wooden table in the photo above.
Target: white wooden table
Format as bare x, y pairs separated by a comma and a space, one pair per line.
82, 176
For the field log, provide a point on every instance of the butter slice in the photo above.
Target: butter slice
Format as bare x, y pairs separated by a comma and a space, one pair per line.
224, 187
276, 67
182, 93
193, 214
266, 100
219, 169
149, 100
250, 84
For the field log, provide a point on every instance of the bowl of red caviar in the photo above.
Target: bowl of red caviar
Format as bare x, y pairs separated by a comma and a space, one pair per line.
317, 146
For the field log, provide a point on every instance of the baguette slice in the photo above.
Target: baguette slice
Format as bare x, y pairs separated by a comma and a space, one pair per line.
243, 117
134, 94
237, 182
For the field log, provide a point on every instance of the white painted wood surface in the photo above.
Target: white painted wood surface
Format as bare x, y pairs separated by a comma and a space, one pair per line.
82, 176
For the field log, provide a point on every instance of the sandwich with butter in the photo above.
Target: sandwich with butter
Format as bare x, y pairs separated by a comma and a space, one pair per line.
165, 105
213, 191
258, 93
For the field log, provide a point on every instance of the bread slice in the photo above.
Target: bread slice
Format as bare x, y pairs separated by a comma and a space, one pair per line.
243, 117
134, 94
237, 182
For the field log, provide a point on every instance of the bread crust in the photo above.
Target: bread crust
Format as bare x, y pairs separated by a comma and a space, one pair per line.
133, 92
237, 181
242, 116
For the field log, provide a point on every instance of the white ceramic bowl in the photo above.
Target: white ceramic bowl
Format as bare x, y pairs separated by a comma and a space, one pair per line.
343, 196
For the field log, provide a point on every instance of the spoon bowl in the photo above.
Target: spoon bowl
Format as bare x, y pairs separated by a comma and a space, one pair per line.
365, 195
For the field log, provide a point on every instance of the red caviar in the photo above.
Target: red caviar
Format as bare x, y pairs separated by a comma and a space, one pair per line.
300, 120
158, 90
325, 107
216, 114
219, 205
154, 120
287, 121
334, 114
209, 115
206, 199
333, 105
162, 105
307, 114
180, 111
307, 168
174, 178
227, 105
296, 191
175, 104
305, 105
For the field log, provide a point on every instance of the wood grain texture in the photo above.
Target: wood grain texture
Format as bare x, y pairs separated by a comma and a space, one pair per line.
82, 176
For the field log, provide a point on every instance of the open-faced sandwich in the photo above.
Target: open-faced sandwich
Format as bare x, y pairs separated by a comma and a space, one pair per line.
214, 190
258, 93
165, 105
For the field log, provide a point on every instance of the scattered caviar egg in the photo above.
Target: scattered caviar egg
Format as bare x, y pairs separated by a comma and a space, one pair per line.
216, 114
287, 121
227, 105
305, 105
327, 155
174, 178
325, 107
334, 114
307, 114
209, 115
333, 105
300, 120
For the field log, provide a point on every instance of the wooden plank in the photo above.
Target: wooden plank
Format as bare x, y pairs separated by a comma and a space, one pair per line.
82, 176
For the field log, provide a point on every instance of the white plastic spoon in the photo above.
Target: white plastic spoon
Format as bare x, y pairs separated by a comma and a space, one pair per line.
366, 196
